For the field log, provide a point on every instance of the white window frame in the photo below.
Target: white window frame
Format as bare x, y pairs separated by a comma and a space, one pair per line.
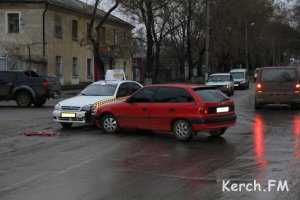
92, 71
76, 70
6, 21
59, 68
5, 63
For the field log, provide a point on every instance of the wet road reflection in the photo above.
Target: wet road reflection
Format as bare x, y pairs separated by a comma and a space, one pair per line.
296, 132
258, 130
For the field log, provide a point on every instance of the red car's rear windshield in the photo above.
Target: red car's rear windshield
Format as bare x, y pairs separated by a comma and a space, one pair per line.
210, 95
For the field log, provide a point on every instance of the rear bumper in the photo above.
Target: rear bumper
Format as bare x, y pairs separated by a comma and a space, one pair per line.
273, 98
214, 122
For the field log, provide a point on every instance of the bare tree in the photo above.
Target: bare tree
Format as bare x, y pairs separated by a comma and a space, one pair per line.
96, 23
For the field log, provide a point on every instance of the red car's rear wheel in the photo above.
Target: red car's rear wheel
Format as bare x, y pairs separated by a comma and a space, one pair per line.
182, 130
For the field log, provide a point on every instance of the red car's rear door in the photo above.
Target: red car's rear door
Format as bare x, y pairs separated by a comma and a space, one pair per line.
170, 103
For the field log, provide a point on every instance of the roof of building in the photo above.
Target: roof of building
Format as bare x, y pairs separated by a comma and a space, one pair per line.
74, 5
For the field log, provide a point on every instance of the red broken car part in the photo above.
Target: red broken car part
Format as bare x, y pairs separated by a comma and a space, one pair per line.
41, 133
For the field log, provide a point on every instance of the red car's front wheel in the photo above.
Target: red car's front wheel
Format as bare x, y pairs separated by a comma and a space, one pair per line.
109, 124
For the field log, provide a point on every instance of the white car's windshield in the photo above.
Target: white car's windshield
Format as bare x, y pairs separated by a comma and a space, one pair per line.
218, 78
99, 90
238, 75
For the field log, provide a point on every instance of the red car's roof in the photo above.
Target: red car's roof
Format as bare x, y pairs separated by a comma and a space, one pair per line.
178, 85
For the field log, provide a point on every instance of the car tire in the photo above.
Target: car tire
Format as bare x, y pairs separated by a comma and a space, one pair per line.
23, 99
66, 125
218, 132
109, 124
39, 102
182, 130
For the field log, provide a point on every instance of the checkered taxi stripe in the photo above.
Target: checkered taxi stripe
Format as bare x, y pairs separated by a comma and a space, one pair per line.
108, 101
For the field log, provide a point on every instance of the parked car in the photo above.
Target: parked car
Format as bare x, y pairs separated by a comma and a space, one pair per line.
77, 110
178, 108
27, 87
277, 85
240, 77
224, 81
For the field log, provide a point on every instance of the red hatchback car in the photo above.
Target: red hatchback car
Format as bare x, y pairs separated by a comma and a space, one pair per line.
178, 108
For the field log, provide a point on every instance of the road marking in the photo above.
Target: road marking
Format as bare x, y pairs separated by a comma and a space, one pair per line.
75, 166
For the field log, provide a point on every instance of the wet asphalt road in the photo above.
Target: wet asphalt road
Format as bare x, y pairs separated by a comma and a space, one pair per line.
82, 163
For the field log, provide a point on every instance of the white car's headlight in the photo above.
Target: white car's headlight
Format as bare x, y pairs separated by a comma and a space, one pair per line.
57, 107
86, 108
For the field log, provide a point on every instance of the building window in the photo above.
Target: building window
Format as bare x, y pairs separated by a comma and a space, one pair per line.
87, 31
115, 37
75, 70
58, 29
89, 68
13, 22
59, 66
75, 30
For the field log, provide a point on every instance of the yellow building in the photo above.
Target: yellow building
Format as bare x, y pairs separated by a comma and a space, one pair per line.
50, 36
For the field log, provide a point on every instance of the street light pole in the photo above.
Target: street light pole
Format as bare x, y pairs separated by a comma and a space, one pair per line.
247, 43
246, 46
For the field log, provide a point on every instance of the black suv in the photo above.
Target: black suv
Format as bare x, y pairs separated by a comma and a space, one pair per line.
27, 87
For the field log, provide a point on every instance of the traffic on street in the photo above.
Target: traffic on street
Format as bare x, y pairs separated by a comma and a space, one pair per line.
83, 162
149, 100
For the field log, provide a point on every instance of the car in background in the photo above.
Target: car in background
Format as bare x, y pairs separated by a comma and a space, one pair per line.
28, 87
78, 109
278, 85
240, 78
178, 108
223, 81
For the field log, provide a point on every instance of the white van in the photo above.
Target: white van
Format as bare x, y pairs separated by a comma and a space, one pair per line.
240, 78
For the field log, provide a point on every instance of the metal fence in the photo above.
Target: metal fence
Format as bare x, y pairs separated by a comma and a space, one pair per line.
3, 64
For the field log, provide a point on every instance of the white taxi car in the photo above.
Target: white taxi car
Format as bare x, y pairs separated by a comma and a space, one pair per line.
77, 110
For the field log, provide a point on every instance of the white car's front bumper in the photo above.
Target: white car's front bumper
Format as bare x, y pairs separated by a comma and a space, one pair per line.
80, 116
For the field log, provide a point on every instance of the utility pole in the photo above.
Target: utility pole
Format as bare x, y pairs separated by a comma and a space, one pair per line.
207, 36
246, 46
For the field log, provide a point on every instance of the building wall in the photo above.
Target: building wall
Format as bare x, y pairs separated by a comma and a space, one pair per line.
117, 40
66, 47
30, 36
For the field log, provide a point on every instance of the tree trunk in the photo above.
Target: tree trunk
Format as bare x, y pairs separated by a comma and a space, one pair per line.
157, 62
98, 62
150, 43
189, 45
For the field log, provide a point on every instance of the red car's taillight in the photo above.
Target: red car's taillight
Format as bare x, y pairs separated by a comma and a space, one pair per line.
203, 110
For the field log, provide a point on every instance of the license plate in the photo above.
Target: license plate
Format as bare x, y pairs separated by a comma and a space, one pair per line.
236, 85
68, 115
222, 109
